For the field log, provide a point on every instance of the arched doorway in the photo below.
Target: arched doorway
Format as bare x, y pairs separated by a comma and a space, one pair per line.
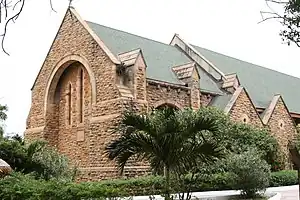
68, 105
167, 105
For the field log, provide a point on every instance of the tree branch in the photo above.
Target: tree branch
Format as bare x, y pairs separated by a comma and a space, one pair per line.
278, 2
11, 19
51, 5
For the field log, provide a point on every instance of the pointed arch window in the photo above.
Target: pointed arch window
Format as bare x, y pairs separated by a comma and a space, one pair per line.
81, 95
69, 104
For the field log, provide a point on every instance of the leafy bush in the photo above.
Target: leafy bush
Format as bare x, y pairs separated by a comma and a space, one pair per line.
20, 187
138, 186
51, 164
238, 138
242, 137
37, 158
249, 173
284, 178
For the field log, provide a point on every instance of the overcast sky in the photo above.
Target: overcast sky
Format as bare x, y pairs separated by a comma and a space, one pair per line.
226, 26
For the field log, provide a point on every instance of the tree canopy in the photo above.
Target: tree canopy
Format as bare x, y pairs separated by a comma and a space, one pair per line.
3, 117
289, 18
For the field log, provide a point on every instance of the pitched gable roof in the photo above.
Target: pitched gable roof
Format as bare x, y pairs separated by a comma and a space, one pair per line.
266, 115
261, 83
160, 57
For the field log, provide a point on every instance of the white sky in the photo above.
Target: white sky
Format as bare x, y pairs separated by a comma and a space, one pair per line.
226, 26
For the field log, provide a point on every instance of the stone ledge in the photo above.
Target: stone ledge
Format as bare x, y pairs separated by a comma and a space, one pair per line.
103, 118
35, 130
112, 168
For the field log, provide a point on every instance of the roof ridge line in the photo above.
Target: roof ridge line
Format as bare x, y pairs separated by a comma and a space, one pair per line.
257, 65
129, 33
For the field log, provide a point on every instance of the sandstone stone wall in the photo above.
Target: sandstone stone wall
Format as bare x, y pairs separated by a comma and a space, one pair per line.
205, 99
140, 79
84, 142
72, 39
160, 94
244, 111
283, 128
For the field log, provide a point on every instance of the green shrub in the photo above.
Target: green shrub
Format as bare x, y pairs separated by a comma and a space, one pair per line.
137, 186
19, 187
284, 178
242, 137
249, 173
37, 158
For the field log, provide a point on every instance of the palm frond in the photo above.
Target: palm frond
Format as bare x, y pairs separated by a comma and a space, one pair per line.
139, 144
35, 147
165, 137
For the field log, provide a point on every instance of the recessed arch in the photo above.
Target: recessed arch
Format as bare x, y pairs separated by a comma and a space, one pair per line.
169, 103
57, 72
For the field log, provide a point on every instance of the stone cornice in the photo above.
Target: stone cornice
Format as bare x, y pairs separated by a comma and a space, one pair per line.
166, 84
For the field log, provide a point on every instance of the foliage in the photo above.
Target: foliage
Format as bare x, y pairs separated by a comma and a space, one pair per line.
52, 164
242, 137
167, 138
36, 158
249, 172
238, 138
289, 18
3, 117
147, 185
20, 187
284, 178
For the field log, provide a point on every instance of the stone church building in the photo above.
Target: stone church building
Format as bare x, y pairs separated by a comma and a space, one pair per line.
92, 73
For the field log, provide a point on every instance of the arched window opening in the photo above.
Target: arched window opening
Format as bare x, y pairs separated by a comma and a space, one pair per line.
69, 103
245, 119
167, 105
81, 96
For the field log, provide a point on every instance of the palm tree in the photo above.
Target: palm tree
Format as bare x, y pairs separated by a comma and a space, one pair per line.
167, 138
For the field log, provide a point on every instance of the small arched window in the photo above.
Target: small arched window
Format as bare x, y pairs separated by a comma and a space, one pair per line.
281, 124
245, 119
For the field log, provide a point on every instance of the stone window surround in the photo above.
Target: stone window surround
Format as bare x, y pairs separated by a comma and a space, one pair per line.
245, 119
60, 67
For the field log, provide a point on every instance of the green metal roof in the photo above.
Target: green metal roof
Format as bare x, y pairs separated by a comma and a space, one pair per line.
159, 57
261, 83
207, 84
221, 101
